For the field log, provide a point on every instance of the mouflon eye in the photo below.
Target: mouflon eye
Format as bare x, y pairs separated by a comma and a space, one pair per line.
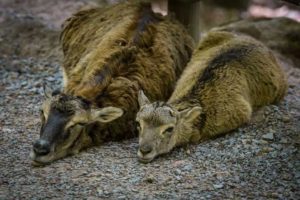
121, 42
169, 130
137, 125
172, 113
80, 124
42, 115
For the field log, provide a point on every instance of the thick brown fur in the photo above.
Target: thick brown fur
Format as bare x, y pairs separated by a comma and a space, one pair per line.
110, 54
228, 77
105, 65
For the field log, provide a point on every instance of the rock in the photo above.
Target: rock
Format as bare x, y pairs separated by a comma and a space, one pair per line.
263, 142
268, 181
284, 141
177, 171
100, 192
268, 136
188, 167
218, 186
188, 151
51, 79
277, 146
286, 118
23, 83
117, 189
134, 180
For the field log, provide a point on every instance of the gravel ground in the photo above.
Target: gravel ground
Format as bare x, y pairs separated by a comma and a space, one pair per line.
257, 161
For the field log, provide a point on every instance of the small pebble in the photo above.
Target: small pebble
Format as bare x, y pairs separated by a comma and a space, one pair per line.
218, 186
268, 136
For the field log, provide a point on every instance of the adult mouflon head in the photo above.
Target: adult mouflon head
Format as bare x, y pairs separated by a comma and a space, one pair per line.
65, 121
160, 125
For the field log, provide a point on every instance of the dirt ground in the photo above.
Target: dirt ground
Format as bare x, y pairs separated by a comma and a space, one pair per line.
258, 161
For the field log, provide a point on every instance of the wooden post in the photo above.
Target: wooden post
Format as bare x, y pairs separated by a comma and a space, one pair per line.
188, 13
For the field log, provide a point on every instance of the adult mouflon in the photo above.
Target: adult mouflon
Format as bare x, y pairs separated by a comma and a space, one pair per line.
109, 55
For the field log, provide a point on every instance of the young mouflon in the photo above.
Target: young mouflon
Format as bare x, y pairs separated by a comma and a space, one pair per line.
228, 77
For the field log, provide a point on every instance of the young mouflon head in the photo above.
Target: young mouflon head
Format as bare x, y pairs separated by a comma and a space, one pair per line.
65, 120
162, 127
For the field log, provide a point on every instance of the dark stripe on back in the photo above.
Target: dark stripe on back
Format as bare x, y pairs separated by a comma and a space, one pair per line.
101, 75
146, 18
116, 65
113, 65
224, 58
234, 54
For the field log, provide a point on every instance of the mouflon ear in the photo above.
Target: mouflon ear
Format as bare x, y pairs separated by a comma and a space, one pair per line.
47, 91
106, 114
190, 114
143, 100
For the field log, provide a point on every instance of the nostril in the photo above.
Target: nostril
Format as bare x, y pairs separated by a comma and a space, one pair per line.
145, 149
41, 147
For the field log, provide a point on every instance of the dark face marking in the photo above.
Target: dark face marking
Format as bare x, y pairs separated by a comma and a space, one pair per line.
62, 109
58, 133
53, 129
